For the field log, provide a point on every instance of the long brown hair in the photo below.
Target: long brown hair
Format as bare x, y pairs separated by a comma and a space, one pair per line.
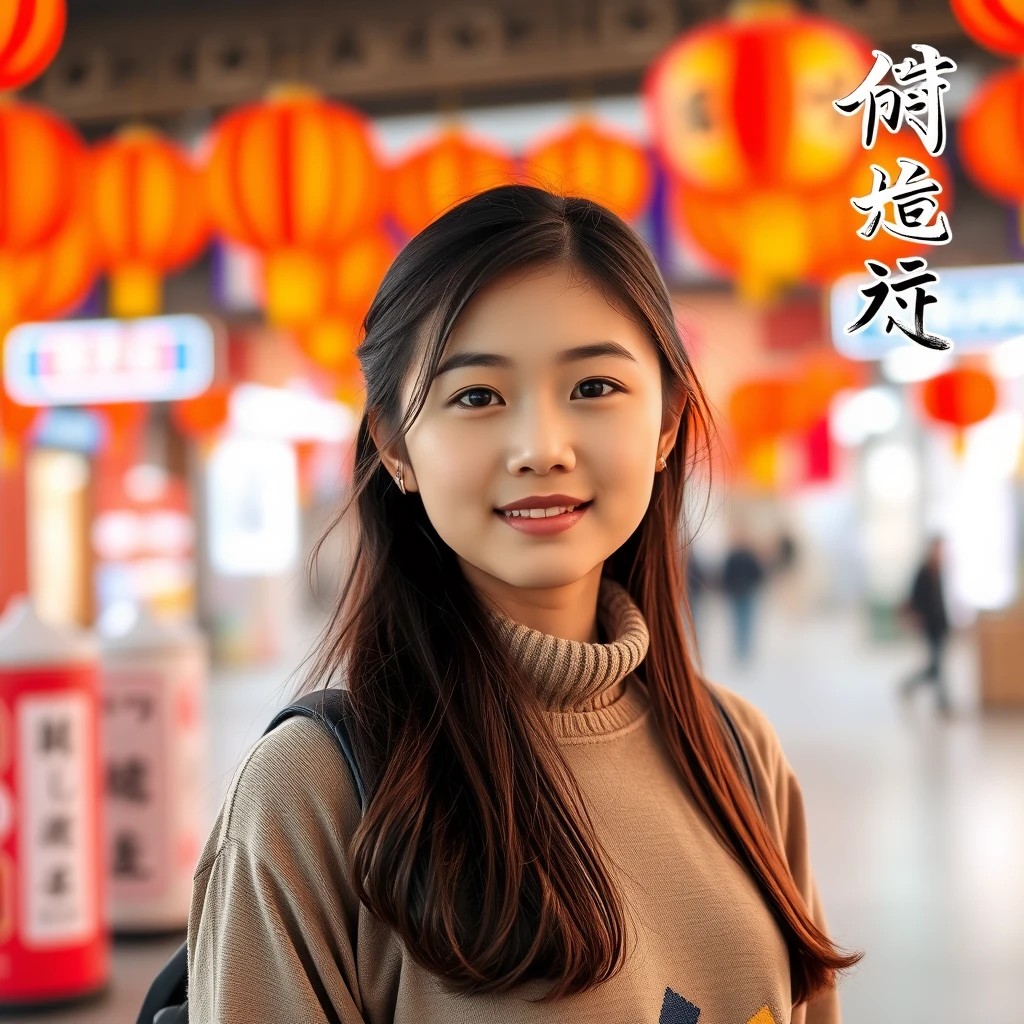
475, 845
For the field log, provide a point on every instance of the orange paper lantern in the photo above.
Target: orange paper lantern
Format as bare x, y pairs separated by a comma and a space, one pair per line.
997, 24
41, 161
441, 174
149, 215
961, 397
991, 136
51, 279
30, 35
591, 161
294, 177
331, 342
820, 378
357, 270
746, 102
760, 410
202, 415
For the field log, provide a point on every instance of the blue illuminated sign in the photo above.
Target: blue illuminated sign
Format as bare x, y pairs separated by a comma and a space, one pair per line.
89, 362
977, 308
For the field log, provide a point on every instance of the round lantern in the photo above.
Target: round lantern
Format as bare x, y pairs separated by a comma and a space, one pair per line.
996, 24
991, 136
30, 35
820, 378
441, 174
834, 223
961, 397
149, 215
293, 177
771, 238
746, 102
760, 410
591, 161
40, 174
202, 415
50, 279
356, 272
331, 342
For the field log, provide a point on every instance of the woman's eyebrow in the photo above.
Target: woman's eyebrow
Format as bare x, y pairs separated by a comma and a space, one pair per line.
459, 360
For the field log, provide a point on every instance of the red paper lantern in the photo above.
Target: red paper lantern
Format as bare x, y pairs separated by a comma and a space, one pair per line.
746, 102
202, 415
997, 24
30, 35
41, 161
591, 161
960, 397
149, 215
991, 136
442, 173
760, 410
294, 177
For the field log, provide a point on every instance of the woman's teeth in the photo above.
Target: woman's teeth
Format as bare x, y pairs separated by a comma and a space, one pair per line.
539, 513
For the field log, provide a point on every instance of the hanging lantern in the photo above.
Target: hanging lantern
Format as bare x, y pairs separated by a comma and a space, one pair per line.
746, 102
990, 139
49, 280
589, 160
41, 159
30, 35
996, 24
771, 239
352, 278
294, 177
441, 174
834, 222
961, 397
760, 410
149, 215
203, 415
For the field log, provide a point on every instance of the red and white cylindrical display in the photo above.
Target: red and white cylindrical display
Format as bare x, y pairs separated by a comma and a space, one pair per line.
54, 933
154, 701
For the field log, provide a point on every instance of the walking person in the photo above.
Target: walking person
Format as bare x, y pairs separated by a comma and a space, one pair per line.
928, 607
742, 577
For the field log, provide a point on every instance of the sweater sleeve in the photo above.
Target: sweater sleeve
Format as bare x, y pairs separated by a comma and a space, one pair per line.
272, 925
783, 804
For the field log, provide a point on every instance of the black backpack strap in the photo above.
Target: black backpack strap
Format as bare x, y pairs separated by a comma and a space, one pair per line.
333, 708
166, 995
741, 750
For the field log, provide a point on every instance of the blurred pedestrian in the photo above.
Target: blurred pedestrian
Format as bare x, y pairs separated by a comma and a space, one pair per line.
742, 576
928, 608
697, 584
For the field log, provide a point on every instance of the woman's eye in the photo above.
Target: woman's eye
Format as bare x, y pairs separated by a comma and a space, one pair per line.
592, 388
474, 395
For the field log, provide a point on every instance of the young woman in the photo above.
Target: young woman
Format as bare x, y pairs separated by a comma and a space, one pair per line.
559, 826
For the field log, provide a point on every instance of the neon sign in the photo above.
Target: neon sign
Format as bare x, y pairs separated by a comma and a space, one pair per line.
79, 362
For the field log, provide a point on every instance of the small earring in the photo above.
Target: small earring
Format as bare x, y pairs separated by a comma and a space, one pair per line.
661, 462
398, 479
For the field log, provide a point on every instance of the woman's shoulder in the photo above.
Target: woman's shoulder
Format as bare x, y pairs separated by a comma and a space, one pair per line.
293, 779
760, 740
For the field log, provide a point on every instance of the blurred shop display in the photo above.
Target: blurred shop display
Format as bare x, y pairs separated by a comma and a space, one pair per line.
1001, 654
154, 721
143, 541
54, 935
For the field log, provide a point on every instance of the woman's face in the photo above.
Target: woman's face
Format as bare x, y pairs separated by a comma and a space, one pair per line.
545, 392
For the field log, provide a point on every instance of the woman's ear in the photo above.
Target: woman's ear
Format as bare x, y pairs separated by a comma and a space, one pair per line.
670, 427
393, 456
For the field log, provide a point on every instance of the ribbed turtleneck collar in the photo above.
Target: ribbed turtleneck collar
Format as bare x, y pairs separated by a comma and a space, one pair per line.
575, 676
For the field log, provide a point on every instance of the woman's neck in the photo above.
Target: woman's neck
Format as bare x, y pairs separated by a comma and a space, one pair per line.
568, 612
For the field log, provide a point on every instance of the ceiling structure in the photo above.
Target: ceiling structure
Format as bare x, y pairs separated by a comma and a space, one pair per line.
163, 59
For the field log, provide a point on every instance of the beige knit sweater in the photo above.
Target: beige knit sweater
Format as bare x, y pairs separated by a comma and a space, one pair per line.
276, 934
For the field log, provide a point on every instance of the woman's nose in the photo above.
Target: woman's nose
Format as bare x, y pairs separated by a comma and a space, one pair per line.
540, 439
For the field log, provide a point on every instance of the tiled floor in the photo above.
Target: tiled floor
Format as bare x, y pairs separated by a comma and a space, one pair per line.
917, 824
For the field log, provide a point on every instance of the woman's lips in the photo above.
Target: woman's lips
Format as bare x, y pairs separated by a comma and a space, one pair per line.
548, 525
